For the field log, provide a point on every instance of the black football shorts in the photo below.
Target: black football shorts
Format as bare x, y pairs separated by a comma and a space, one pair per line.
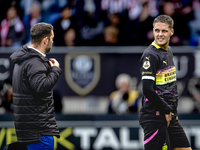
158, 137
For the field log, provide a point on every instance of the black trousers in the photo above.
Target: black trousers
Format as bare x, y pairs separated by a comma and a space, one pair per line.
15, 146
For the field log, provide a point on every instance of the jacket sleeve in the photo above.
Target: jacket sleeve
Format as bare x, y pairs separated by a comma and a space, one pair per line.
149, 64
42, 79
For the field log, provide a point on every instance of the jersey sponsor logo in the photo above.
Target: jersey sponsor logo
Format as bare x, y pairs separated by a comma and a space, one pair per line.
82, 71
165, 76
146, 65
147, 72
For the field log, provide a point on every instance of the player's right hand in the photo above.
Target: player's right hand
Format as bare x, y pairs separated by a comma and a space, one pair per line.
168, 118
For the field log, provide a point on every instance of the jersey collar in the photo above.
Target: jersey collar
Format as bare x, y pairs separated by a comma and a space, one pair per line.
154, 44
158, 47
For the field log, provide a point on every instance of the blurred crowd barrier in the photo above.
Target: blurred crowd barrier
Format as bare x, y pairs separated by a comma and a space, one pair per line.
89, 75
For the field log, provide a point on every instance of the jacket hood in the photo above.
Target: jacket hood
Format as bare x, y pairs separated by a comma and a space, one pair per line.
23, 54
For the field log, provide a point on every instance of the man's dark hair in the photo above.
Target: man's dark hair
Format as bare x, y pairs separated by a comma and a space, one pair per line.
40, 31
164, 19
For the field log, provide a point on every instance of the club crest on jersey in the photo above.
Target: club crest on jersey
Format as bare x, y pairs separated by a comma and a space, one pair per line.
82, 71
165, 147
146, 65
